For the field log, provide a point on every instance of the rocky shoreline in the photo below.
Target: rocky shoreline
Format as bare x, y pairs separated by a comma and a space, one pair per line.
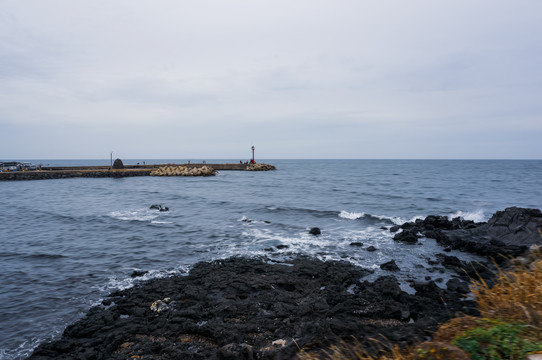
242, 308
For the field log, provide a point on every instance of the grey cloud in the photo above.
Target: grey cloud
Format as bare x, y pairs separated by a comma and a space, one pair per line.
366, 79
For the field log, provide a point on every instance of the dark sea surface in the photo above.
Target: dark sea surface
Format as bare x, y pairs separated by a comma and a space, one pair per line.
67, 243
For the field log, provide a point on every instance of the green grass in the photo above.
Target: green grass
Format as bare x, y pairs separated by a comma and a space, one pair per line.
496, 340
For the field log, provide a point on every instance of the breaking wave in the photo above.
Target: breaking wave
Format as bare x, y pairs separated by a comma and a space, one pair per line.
476, 216
351, 215
395, 220
135, 215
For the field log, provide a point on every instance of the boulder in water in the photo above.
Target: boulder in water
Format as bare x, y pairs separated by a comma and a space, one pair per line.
390, 266
315, 231
409, 236
159, 207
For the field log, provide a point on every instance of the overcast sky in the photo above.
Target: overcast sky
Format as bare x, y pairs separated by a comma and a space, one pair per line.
296, 78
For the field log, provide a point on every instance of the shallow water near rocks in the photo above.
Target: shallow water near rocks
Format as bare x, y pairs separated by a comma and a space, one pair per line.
66, 243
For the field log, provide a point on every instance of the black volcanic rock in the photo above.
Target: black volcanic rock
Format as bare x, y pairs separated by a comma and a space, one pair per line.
428, 290
409, 236
508, 233
159, 207
457, 285
390, 266
315, 231
242, 308
138, 273
516, 227
450, 261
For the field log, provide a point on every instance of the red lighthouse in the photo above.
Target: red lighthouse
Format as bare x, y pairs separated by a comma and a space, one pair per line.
252, 160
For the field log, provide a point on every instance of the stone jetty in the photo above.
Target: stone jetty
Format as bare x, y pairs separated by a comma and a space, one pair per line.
119, 171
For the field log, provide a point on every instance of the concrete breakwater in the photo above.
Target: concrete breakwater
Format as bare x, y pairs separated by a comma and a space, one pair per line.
127, 171
64, 174
184, 171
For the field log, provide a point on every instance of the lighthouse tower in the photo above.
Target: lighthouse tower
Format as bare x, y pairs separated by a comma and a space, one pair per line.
252, 160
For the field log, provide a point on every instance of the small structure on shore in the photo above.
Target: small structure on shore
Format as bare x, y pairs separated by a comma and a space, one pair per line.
252, 161
118, 164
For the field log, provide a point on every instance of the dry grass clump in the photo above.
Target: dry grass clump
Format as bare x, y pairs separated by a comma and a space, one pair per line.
510, 326
517, 295
355, 350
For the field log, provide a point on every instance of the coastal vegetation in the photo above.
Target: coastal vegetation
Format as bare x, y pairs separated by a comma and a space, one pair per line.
509, 325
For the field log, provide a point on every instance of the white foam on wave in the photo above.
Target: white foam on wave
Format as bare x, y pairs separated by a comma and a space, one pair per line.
414, 218
476, 216
26, 347
115, 283
135, 215
394, 219
252, 221
265, 235
337, 242
351, 215
399, 220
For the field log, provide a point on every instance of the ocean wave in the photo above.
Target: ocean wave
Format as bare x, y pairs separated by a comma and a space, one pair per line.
247, 220
351, 215
44, 256
476, 216
31, 256
27, 346
135, 215
336, 240
296, 210
115, 283
395, 220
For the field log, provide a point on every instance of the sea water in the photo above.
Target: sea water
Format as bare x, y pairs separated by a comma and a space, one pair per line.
67, 243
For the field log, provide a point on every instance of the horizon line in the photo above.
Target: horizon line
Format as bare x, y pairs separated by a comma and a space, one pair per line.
265, 159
